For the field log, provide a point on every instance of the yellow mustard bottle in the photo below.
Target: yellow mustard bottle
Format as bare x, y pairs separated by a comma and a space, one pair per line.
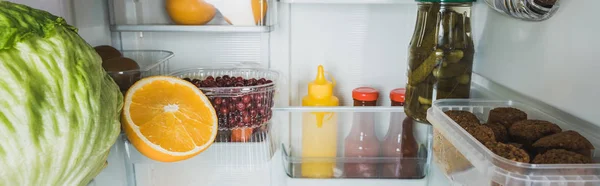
319, 129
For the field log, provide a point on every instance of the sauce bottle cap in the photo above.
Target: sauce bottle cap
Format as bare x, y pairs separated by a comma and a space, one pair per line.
321, 88
365, 94
397, 95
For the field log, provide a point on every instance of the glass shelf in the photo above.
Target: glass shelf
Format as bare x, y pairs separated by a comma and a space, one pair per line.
340, 166
236, 16
349, 1
181, 28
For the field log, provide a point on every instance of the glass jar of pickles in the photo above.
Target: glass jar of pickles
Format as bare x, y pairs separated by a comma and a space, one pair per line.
440, 59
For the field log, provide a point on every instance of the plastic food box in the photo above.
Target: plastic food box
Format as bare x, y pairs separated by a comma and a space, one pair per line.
232, 163
239, 108
151, 62
467, 162
292, 148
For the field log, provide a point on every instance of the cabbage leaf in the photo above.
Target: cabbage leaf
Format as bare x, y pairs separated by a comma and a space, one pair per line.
59, 109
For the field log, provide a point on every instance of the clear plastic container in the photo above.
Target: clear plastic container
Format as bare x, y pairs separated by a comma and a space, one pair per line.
530, 10
466, 161
244, 112
151, 62
221, 164
292, 147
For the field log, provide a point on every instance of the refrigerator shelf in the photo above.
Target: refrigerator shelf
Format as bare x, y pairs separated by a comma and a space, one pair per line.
169, 16
230, 163
349, 1
184, 28
341, 166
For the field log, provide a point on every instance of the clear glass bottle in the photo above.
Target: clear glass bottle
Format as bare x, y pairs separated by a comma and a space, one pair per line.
400, 142
362, 141
440, 59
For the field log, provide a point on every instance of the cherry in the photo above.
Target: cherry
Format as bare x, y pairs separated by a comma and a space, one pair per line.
218, 101
246, 99
246, 110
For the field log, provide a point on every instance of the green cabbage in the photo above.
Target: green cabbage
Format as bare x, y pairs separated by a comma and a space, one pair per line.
59, 109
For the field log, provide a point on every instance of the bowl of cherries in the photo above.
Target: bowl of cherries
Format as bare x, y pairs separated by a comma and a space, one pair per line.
242, 99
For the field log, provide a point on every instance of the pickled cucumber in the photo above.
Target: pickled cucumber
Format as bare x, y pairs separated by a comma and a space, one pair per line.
440, 57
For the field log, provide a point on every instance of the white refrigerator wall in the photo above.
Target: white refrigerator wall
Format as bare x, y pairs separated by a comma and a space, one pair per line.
555, 61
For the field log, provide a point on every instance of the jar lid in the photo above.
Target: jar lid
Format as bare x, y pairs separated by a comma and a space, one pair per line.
397, 95
446, 1
365, 94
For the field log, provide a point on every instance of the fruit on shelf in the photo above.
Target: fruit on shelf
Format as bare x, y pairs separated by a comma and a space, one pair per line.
190, 12
259, 10
168, 119
107, 52
241, 135
239, 102
124, 71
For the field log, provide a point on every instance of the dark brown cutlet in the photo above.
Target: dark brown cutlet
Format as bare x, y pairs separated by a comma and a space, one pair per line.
564, 140
506, 116
528, 131
463, 118
499, 131
560, 156
508, 151
482, 133
568, 140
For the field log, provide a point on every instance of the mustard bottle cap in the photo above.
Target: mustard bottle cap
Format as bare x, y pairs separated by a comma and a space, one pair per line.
321, 88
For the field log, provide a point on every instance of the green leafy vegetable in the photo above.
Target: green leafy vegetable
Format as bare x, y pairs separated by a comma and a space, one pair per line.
59, 110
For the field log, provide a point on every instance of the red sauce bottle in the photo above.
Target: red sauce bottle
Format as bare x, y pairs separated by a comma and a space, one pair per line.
362, 141
399, 142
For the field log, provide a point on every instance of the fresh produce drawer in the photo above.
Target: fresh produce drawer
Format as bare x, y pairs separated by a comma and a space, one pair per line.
466, 161
328, 157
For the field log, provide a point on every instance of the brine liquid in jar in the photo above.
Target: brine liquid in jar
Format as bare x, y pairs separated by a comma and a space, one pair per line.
440, 59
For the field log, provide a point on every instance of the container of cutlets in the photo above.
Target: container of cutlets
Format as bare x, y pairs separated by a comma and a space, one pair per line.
465, 161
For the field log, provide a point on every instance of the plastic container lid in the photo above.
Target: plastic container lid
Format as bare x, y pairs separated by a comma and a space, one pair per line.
365, 94
397, 95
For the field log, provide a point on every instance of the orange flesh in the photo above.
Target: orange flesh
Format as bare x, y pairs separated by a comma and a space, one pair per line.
177, 131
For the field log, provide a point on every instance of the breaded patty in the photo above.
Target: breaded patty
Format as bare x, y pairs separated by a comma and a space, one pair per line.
561, 156
508, 151
500, 131
506, 116
568, 140
463, 118
528, 131
482, 133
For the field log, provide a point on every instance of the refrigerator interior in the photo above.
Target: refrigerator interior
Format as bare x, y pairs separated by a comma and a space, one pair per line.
360, 42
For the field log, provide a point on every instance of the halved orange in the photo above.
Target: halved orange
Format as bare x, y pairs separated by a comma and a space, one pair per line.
168, 119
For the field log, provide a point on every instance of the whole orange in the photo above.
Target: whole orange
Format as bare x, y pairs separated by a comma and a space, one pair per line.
190, 12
